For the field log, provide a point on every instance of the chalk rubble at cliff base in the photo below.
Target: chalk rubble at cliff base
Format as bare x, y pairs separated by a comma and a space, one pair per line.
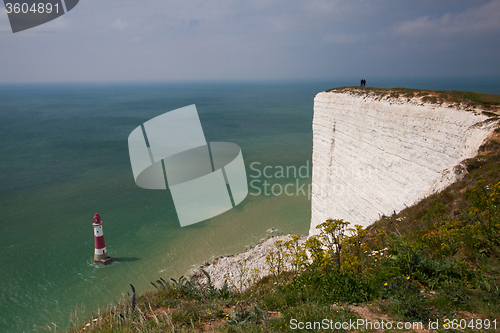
226, 268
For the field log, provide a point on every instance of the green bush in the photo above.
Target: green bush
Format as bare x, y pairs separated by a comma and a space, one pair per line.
334, 286
403, 299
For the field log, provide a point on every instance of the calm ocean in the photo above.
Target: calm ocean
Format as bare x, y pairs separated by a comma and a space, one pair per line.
64, 157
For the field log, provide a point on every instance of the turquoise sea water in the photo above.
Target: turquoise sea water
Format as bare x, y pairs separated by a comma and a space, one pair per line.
64, 157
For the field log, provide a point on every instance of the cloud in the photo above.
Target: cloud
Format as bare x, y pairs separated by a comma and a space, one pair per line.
120, 24
282, 23
59, 24
343, 38
4, 21
472, 21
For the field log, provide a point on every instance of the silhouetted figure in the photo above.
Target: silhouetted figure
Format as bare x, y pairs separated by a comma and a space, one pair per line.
361, 83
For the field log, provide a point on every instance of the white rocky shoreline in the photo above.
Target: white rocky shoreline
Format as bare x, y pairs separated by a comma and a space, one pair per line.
239, 269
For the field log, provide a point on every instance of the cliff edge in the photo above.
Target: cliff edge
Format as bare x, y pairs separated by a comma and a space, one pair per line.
376, 152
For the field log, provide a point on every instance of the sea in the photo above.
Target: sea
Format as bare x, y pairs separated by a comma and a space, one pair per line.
64, 157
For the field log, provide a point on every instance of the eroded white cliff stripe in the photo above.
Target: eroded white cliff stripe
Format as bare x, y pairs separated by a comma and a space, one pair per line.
371, 157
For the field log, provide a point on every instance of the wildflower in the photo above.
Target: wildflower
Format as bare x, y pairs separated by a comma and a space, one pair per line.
408, 278
445, 325
385, 284
133, 297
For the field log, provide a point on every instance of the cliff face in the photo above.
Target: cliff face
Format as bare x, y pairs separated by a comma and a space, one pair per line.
374, 156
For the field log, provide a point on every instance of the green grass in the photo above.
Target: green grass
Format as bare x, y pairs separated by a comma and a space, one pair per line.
467, 99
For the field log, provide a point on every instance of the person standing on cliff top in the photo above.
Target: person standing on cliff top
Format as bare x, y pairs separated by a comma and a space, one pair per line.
361, 83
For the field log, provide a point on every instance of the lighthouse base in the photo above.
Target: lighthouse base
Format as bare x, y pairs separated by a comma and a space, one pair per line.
105, 261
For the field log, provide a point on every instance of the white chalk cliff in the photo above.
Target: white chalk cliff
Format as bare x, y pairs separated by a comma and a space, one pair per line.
373, 156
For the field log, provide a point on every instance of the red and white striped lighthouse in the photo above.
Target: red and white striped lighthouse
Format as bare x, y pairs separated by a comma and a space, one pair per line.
100, 254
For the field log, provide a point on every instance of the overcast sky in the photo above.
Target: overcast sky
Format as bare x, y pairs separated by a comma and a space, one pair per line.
124, 40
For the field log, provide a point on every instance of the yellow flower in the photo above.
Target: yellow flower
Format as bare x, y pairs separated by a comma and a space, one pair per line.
385, 284
445, 325
408, 278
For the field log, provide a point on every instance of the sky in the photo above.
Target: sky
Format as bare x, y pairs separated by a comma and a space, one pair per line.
158, 40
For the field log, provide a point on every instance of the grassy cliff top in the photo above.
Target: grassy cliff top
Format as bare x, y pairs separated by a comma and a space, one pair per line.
464, 99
